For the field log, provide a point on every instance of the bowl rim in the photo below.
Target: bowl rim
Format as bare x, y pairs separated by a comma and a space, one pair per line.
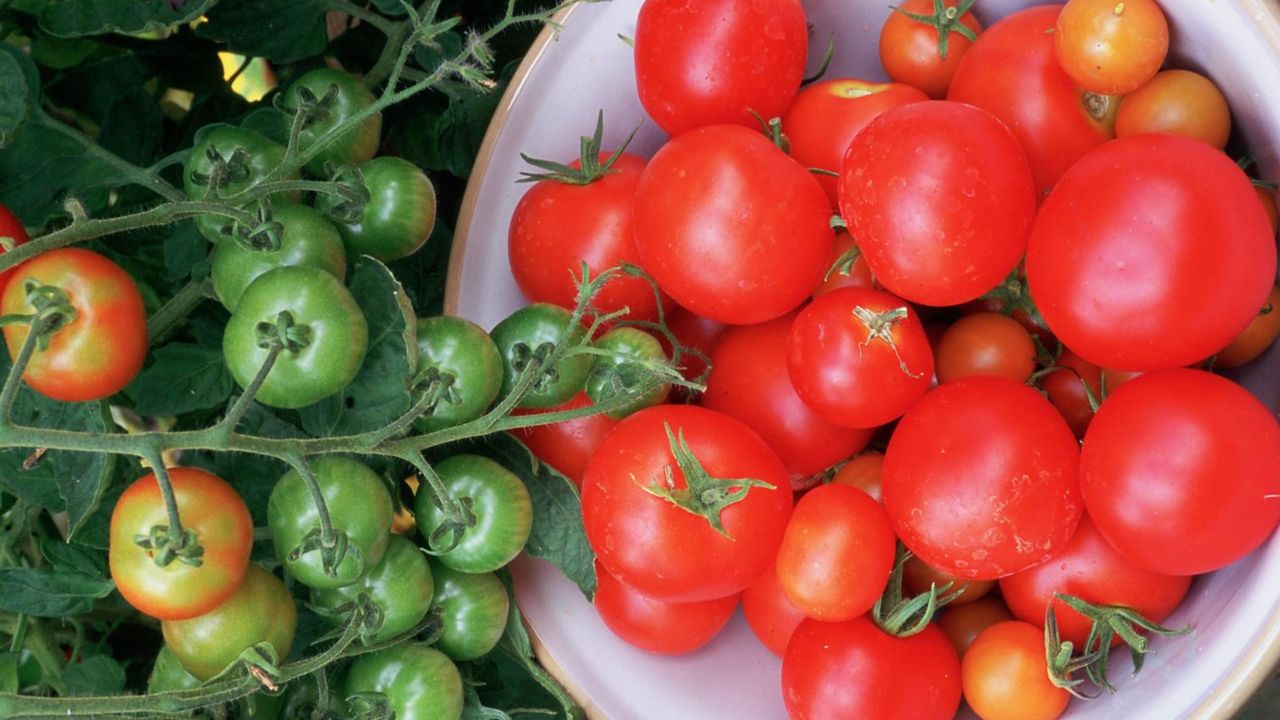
1241, 681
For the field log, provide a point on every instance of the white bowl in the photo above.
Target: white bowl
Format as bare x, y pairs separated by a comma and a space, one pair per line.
554, 99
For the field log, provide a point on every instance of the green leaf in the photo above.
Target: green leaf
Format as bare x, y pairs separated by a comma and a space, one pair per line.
61, 53
451, 142
186, 254
133, 128
379, 393
42, 167
183, 378
15, 98
269, 121
390, 7
73, 18
50, 593
9, 672
97, 675
282, 31
515, 645
71, 557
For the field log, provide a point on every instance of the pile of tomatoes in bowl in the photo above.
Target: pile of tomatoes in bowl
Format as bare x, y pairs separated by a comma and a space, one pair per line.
951, 333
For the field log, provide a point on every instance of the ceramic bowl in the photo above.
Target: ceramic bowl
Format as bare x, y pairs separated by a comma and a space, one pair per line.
554, 99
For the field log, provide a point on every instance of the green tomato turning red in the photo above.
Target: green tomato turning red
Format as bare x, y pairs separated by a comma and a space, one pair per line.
395, 217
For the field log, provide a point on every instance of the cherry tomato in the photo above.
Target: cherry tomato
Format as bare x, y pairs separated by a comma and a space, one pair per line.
963, 623
859, 357
1006, 675
1013, 73
394, 217
749, 381
730, 227
921, 47
332, 97
770, 614
1180, 102
1179, 449
913, 183
12, 234
234, 158
527, 336
718, 61
848, 267
456, 352
400, 586
567, 445
664, 628
419, 682
863, 472
981, 478
985, 344
1066, 390
837, 553
501, 506
622, 374
1257, 336
1133, 233
918, 577
300, 236
99, 348
635, 531
1111, 47
207, 507
473, 608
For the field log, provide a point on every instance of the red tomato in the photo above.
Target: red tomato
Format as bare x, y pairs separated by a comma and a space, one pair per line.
863, 472
1066, 390
568, 444
730, 227
918, 577
1180, 449
1006, 675
981, 478
558, 226
660, 627
770, 614
940, 199
1137, 233
10, 228
837, 553
716, 61
859, 357
1256, 337
101, 349
1111, 47
693, 331
1090, 569
912, 51
963, 623
827, 115
645, 540
1013, 73
985, 343
854, 273
1179, 102
749, 381
835, 671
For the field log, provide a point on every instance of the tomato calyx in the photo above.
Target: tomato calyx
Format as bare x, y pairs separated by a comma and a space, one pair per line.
438, 386
284, 333
351, 195
311, 108
945, 20
266, 236
591, 168
224, 171
165, 546
1014, 295
880, 326
332, 546
53, 311
902, 616
536, 357
1101, 108
703, 495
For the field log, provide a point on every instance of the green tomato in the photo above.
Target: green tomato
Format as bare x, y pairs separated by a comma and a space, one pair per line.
325, 336
617, 375
293, 235
331, 97
401, 587
528, 336
498, 500
246, 158
458, 352
474, 609
359, 507
396, 216
261, 610
419, 682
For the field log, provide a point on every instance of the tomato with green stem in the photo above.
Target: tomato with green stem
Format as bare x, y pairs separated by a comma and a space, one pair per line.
459, 362
473, 609
359, 510
662, 628
1006, 676
94, 318
260, 611
328, 98
1111, 47
389, 209
635, 361
400, 587
417, 681
319, 330
226, 161
1070, 388
923, 41
500, 514
1180, 102
527, 337
290, 235
189, 583
848, 268
12, 234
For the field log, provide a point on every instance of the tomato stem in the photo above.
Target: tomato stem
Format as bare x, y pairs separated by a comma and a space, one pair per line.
900, 616
9, 394
945, 20
331, 543
879, 326
169, 542
590, 169
245, 401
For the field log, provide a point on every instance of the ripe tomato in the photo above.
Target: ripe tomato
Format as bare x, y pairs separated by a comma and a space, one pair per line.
557, 226
859, 357
827, 115
635, 532
1180, 102
1257, 336
863, 472
985, 343
1013, 73
749, 381
981, 478
963, 623
913, 183
400, 586
1179, 449
333, 97
918, 577
837, 553
730, 227
664, 628
718, 61
1090, 569
396, 215
1267, 195
567, 445
302, 237
1111, 47
921, 47
848, 273
99, 349
770, 614
1006, 675
1066, 390
474, 608
1135, 231
501, 506
12, 234
208, 507
853, 669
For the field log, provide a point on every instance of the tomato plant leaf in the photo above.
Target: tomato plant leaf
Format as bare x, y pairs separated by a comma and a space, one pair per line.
282, 31
72, 557
15, 98
380, 392
73, 18
41, 167
9, 672
183, 378
132, 128
97, 675
50, 593
186, 255
451, 142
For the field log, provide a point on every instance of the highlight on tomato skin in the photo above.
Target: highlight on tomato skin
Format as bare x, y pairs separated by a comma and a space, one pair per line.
1111, 47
